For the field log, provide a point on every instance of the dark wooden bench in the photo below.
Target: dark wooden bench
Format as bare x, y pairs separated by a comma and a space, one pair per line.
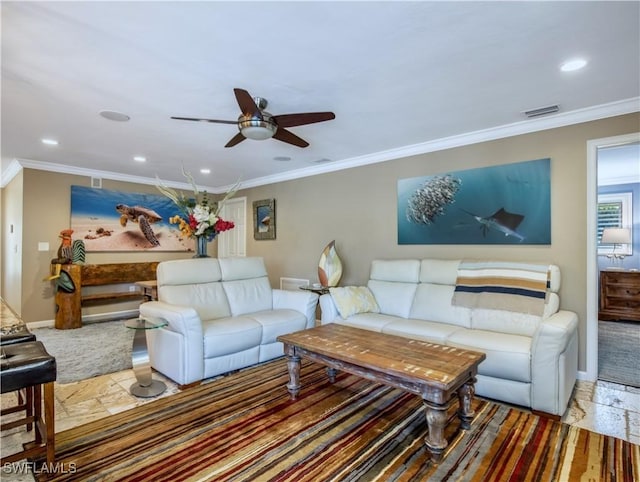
69, 305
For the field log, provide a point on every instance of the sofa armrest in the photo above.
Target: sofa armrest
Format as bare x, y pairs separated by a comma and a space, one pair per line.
177, 350
328, 309
551, 375
181, 319
303, 301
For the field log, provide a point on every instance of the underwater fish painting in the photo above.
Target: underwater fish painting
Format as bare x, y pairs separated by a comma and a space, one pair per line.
504, 204
502, 221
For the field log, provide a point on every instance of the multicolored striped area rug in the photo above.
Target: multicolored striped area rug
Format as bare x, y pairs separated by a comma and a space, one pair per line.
244, 427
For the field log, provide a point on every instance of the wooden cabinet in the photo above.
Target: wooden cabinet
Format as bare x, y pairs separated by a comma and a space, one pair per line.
619, 295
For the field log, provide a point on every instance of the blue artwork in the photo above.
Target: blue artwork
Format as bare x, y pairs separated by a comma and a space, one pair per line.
125, 221
507, 204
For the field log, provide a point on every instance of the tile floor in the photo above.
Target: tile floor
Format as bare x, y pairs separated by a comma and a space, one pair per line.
601, 407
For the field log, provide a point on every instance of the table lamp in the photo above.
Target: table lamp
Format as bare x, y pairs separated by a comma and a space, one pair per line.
616, 236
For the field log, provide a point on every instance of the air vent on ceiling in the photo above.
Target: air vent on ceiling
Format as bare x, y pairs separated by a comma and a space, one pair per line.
550, 109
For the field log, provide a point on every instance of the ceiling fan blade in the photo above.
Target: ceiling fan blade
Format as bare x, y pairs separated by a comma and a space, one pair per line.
206, 120
246, 103
289, 137
237, 139
292, 120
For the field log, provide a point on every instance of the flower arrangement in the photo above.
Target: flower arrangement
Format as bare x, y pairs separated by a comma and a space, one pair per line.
197, 218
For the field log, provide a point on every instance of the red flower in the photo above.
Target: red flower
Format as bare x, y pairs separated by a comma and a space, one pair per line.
193, 224
222, 225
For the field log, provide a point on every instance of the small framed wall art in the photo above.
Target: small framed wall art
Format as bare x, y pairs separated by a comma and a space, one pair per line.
264, 219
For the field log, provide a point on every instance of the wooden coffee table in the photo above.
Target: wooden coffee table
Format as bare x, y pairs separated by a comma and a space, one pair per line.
439, 374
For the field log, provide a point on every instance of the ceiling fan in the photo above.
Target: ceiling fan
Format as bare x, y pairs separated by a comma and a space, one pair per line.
256, 123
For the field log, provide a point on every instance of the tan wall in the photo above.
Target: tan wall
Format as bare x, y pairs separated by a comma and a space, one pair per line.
357, 208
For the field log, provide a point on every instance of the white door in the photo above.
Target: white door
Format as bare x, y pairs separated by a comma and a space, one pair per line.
234, 242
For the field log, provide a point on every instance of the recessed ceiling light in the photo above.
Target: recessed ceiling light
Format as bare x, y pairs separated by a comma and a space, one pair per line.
50, 142
139, 158
205, 171
574, 64
114, 116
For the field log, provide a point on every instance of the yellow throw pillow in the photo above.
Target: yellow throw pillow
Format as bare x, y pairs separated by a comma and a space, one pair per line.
352, 300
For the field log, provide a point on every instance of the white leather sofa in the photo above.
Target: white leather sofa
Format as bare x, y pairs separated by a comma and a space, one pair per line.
531, 360
223, 315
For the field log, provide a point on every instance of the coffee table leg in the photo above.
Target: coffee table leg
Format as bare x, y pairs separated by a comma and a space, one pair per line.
465, 397
436, 421
293, 364
332, 372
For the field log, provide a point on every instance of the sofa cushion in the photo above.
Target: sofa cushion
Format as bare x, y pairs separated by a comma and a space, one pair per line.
208, 299
421, 330
242, 268
508, 356
399, 270
432, 302
188, 271
367, 321
248, 295
439, 271
278, 322
230, 335
351, 300
393, 298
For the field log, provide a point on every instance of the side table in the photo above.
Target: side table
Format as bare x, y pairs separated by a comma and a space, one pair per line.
322, 290
149, 289
145, 385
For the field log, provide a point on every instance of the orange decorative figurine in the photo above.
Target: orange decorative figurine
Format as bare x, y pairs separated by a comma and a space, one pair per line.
64, 251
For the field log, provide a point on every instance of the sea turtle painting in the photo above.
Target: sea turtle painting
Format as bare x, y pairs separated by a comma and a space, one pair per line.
145, 217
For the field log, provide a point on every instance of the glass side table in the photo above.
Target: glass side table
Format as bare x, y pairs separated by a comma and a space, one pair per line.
145, 385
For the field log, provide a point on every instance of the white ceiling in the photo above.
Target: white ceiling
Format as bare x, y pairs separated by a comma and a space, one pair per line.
401, 77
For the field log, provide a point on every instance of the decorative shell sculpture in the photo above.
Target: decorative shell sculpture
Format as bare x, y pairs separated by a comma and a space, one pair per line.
330, 266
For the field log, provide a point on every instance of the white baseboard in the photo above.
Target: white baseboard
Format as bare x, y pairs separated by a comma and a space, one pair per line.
584, 376
87, 319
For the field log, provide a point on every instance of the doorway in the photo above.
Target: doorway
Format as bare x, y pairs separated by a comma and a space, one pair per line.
234, 243
598, 148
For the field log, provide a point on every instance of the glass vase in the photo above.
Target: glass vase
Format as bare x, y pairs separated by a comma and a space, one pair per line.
201, 247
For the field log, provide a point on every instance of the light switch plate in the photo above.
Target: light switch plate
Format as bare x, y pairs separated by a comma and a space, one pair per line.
43, 246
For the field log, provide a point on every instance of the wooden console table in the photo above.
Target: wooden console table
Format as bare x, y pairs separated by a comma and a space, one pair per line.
69, 305
619, 295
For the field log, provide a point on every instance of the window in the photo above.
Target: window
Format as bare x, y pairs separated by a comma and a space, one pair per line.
614, 211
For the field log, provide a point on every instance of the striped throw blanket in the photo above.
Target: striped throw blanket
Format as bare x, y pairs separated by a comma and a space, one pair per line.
518, 287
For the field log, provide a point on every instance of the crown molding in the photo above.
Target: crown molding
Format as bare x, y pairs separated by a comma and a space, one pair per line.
11, 171
612, 109
17, 165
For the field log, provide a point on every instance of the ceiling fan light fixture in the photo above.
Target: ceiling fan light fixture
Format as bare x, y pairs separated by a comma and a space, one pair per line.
257, 129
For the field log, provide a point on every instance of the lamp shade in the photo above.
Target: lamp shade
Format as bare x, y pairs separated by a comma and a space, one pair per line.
616, 236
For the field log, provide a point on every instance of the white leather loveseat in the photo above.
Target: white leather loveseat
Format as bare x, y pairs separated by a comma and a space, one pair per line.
531, 359
222, 315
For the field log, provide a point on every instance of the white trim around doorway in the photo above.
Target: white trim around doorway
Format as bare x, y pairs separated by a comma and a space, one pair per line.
593, 145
